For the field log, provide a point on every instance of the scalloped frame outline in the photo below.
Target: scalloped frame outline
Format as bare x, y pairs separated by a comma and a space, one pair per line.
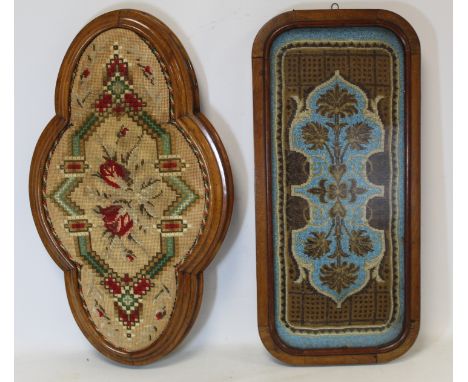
188, 116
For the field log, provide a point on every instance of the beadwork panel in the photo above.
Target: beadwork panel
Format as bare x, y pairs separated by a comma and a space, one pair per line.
332, 153
124, 189
337, 149
130, 186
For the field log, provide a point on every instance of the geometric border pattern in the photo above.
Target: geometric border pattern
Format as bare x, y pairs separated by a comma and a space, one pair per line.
125, 288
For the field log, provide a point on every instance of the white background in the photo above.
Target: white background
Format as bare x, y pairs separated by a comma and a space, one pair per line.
223, 344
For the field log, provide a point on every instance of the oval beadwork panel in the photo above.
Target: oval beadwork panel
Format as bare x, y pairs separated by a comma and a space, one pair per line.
126, 193
337, 151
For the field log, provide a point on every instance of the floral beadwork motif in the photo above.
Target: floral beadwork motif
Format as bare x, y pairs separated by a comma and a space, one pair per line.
337, 132
125, 189
338, 129
126, 193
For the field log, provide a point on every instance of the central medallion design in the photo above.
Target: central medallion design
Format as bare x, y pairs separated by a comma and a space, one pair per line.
125, 196
131, 191
337, 130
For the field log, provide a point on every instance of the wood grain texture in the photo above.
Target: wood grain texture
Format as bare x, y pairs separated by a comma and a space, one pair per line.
188, 116
263, 178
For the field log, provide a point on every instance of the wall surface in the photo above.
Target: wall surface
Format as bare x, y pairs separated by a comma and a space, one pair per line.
218, 36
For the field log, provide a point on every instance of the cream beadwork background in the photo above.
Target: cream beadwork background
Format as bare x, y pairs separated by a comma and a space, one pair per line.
224, 342
131, 252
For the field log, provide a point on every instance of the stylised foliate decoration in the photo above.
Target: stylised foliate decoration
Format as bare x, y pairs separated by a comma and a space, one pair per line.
338, 276
336, 104
360, 242
315, 135
338, 252
317, 245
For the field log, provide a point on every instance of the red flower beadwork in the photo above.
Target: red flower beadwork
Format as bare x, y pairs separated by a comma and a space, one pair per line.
148, 69
122, 132
85, 73
160, 315
116, 224
130, 258
113, 173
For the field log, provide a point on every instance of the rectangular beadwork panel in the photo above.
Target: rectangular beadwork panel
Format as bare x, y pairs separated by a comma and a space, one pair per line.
336, 153
337, 148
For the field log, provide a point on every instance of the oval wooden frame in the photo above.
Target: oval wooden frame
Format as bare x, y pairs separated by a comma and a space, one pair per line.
265, 283
188, 115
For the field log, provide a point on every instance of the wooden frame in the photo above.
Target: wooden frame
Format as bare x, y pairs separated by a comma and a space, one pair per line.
188, 115
265, 283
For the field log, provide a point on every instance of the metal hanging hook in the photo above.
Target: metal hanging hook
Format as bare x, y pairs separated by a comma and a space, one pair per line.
335, 6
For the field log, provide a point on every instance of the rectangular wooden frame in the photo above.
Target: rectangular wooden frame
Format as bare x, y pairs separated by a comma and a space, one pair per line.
261, 98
